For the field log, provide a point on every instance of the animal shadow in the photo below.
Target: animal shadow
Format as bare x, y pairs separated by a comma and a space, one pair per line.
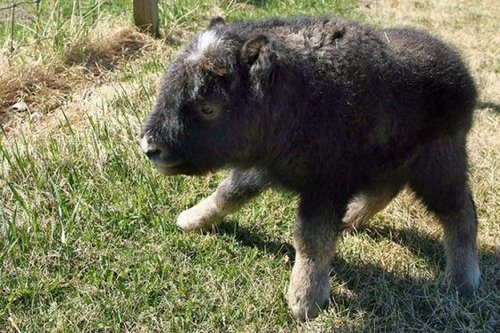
489, 105
253, 238
368, 288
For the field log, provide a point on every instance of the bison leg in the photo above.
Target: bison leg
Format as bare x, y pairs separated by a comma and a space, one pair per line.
233, 192
315, 233
439, 178
366, 204
376, 197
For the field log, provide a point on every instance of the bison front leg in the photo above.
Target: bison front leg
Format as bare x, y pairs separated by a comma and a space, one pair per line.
233, 192
316, 230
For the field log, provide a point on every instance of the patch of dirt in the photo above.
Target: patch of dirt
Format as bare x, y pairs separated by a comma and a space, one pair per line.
42, 86
105, 53
39, 87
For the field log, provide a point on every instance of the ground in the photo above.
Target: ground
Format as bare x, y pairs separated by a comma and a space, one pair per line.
88, 239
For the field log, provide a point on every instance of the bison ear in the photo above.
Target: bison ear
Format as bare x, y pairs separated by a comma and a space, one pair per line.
258, 54
255, 48
216, 22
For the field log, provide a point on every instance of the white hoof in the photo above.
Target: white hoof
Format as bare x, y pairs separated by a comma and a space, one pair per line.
309, 290
307, 305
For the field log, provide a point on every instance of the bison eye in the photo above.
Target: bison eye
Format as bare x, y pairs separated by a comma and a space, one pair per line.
209, 111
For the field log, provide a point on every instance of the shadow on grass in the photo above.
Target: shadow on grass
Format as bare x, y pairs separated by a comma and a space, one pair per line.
258, 3
252, 238
429, 248
489, 105
394, 299
421, 245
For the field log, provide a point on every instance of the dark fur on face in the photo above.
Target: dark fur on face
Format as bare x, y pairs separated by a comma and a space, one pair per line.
342, 114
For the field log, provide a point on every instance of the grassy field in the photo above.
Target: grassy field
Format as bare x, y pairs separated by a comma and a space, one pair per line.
88, 239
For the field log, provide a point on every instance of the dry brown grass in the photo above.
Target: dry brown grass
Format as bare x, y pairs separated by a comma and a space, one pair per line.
47, 84
104, 53
41, 87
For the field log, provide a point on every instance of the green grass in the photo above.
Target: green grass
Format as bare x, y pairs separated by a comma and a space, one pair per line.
56, 21
88, 239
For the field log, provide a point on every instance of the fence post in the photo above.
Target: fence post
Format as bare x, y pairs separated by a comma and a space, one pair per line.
38, 26
13, 18
146, 16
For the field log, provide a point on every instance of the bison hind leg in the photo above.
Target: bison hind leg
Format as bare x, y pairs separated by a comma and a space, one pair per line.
366, 203
439, 178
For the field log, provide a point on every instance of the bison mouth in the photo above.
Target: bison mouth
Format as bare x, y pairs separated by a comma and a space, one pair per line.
167, 161
180, 168
168, 169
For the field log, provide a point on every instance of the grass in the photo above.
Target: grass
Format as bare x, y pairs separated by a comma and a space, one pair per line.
88, 241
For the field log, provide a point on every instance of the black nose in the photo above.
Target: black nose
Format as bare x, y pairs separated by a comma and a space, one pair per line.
152, 151
159, 155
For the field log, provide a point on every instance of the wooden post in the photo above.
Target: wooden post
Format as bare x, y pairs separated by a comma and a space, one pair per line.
146, 16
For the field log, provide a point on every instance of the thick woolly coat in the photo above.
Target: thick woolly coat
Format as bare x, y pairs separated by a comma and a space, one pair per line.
318, 104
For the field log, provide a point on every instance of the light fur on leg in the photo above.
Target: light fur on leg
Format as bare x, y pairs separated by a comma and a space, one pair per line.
363, 206
233, 192
207, 213
230, 196
309, 289
200, 217
460, 232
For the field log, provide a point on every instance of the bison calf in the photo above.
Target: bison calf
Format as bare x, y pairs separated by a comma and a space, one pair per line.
340, 113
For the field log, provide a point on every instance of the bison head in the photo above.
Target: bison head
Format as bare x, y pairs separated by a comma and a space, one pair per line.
208, 112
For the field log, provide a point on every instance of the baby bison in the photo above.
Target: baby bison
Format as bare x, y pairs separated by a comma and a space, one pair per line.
342, 114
